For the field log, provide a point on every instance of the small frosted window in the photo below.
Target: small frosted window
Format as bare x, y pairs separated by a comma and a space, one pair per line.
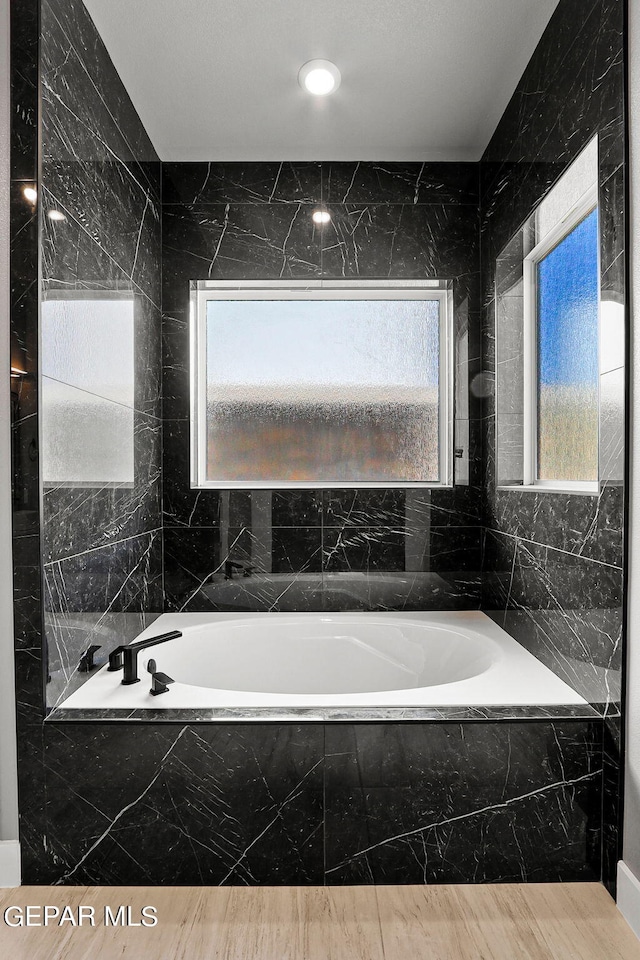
322, 390
567, 285
88, 356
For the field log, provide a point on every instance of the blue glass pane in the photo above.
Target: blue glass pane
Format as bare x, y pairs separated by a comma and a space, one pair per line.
567, 284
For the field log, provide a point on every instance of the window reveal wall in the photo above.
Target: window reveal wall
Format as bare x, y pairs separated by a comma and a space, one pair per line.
549, 326
554, 562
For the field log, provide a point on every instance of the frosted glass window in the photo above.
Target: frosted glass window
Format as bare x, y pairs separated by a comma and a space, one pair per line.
87, 358
567, 328
323, 390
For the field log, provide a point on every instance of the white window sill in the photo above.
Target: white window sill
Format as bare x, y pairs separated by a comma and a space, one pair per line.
589, 491
320, 485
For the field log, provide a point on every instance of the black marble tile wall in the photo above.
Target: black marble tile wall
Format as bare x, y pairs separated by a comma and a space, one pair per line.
100, 240
496, 824
321, 549
554, 562
24, 301
289, 803
253, 803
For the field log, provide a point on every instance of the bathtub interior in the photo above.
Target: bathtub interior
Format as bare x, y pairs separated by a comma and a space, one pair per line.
351, 661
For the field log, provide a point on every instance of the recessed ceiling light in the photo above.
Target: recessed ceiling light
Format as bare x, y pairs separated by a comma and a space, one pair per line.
320, 216
56, 215
319, 77
30, 194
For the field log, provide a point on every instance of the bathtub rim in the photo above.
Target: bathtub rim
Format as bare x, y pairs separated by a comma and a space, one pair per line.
353, 713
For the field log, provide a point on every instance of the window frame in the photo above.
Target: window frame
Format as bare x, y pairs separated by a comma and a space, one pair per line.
205, 291
587, 203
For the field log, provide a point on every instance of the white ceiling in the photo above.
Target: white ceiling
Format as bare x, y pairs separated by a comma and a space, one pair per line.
421, 79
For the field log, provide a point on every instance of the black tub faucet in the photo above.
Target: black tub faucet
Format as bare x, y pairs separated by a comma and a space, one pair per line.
87, 662
127, 655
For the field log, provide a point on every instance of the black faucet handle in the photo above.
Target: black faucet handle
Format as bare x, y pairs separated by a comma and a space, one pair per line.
86, 664
116, 659
159, 681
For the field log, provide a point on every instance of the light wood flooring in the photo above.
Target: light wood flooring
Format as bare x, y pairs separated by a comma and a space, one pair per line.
476, 922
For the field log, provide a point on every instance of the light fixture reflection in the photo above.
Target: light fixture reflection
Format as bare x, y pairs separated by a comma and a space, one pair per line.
321, 216
319, 77
56, 215
30, 194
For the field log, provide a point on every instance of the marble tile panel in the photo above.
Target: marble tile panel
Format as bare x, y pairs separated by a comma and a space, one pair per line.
176, 363
367, 507
31, 779
222, 804
510, 450
27, 593
183, 506
454, 506
106, 251
23, 273
400, 183
564, 45
296, 549
455, 549
586, 525
24, 65
402, 241
77, 518
296, 508
363, 549
147, 320
196, 183
612, 799
227, 241
191, 558
398, 811
611, 213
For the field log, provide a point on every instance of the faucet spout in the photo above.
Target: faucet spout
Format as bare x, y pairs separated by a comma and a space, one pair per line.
127, 655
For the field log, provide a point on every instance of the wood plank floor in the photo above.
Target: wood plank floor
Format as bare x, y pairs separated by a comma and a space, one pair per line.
476, 922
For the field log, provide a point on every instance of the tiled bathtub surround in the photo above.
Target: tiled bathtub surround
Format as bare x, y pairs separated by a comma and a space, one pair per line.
553, 562
300, 802
309, 804
321, 549
101, 540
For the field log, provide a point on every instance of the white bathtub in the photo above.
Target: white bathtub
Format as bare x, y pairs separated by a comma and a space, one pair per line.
306, 660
